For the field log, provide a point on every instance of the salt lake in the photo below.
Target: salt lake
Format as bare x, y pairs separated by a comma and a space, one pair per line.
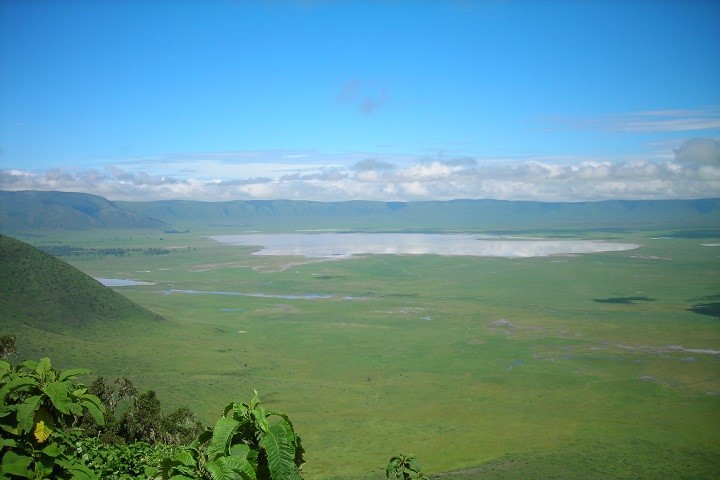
342, 245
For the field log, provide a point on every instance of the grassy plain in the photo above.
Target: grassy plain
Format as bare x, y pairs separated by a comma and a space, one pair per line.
588, 366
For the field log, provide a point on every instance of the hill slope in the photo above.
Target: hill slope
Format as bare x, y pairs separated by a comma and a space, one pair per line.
32, 210
430, 215
41, 291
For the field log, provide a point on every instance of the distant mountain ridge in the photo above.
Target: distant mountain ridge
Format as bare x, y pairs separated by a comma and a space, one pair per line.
433, 215
32, 210
41, 291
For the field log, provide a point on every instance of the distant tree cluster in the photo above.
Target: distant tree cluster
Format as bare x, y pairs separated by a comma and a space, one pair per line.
7, 346
142, 420
71, 251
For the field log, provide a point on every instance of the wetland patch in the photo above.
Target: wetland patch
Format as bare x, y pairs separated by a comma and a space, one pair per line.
122, 282
306, 296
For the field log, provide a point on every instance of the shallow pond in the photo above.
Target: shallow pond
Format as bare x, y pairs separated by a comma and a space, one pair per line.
121, 282
307, 296
334, 245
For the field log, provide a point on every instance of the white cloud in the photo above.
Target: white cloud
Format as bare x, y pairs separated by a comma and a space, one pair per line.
699, 150
707, 118
694, 172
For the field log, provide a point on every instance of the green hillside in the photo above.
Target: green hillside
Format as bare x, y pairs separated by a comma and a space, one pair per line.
431, 215
40, 291
32, 210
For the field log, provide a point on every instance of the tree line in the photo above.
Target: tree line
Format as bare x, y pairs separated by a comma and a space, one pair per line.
72, 251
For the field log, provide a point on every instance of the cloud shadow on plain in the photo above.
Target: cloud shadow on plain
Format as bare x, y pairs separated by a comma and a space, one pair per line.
624, 300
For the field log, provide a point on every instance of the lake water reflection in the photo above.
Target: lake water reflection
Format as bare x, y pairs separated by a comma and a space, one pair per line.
339, 245
121, 282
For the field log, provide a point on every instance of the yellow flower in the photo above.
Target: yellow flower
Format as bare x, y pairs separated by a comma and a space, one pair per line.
42, 432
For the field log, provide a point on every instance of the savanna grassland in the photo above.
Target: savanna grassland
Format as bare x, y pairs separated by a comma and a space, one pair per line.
586, 366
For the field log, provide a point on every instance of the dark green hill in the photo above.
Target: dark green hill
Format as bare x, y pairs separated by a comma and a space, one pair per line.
41, 291
32, 210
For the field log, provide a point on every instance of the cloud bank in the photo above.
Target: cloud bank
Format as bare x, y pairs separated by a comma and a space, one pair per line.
693, 171
652, 121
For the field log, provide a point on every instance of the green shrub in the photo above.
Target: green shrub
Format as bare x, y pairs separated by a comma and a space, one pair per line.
39, 408
123, 462
243, 444
404, 467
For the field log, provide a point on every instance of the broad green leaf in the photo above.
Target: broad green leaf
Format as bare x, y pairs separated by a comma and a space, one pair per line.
223, 432
260, 418
14, 384
181, 477
185, 458
413, 464
30, 364
14, 464
58, 393
239, 450
201, 439
150, 472
392, 469
278, 443
299, 450
5, 367
284, 416
75, 408
219, 471
43, 367
229, 408
92, 398
240, 411
81, 472
239, 466
7, 442
94, 411
9, 429
72, 373
52, 450
26, 413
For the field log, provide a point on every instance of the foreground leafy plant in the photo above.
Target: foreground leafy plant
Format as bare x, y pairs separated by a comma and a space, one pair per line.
404, 467
39, 408
243, 444
123, 461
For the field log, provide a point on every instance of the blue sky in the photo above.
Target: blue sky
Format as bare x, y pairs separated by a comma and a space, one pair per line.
220, 100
